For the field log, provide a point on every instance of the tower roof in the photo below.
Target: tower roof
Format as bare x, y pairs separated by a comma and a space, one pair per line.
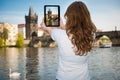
31, 11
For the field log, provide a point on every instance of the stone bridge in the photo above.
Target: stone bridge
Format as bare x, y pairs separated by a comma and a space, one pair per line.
113, 35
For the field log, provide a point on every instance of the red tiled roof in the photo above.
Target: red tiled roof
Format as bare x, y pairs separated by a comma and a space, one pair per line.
21, 25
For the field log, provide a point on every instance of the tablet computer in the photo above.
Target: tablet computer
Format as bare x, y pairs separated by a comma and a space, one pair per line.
52, 15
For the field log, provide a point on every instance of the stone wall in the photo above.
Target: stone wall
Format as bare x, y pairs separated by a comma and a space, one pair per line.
113, 35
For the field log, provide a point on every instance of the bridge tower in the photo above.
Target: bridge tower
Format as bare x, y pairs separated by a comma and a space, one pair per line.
31, 23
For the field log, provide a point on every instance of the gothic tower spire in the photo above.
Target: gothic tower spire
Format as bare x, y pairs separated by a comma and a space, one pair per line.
31, 11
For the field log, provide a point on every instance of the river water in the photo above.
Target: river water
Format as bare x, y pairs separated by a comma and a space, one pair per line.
41, 63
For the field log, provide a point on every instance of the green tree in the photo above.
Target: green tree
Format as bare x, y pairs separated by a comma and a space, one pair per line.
1, 42
4, 35
20, 40
0, 34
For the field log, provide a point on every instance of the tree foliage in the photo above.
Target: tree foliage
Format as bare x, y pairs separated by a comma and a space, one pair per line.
20, 40
4, 35
1, 42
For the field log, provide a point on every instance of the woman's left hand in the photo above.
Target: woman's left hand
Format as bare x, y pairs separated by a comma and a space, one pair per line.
43, 27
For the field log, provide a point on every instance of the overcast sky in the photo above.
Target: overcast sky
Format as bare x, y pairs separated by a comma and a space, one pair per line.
104, 13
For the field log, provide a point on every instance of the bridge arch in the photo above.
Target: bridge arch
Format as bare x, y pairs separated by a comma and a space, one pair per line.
113, 35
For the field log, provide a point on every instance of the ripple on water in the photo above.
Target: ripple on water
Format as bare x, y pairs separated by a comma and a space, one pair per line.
41, 63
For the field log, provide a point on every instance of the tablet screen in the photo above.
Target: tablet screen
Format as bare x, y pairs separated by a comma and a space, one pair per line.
52, 15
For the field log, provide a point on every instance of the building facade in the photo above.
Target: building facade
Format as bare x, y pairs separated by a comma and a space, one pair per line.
31, 24
12, 33
21, 30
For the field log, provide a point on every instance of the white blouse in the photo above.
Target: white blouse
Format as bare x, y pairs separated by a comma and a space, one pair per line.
70, 66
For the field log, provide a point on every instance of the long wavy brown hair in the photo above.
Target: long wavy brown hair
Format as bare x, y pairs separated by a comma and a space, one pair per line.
79, 27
